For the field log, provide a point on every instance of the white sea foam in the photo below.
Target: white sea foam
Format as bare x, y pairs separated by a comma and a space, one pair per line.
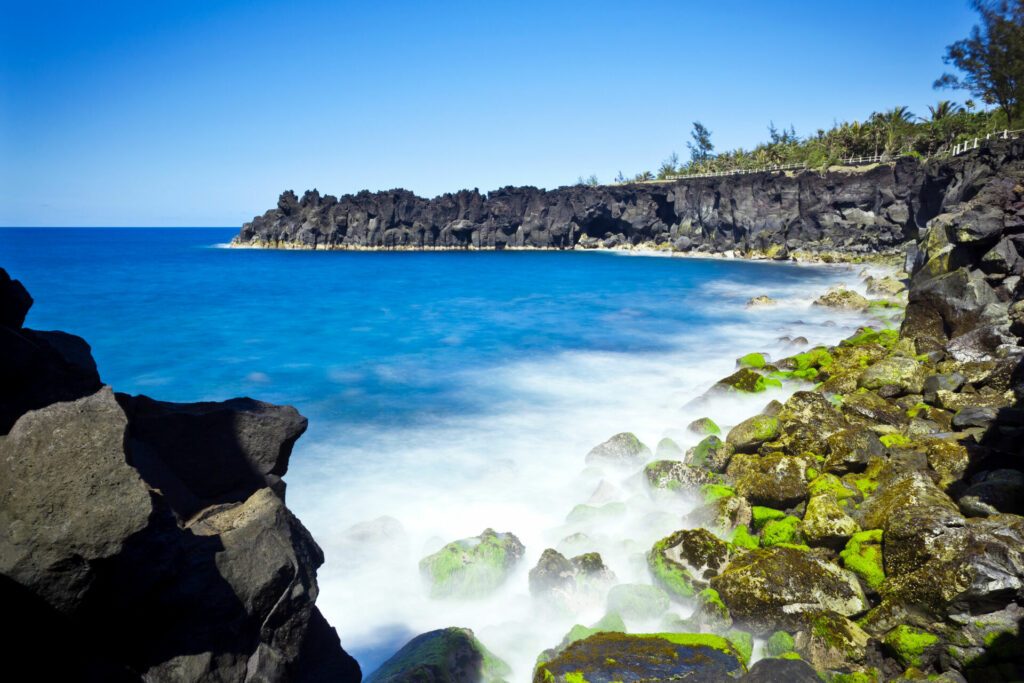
518, 465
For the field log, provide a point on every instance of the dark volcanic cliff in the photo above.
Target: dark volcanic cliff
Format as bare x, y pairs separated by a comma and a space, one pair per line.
144, 540
865, 210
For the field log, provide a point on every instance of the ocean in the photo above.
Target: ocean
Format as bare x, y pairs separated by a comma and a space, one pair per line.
447, 392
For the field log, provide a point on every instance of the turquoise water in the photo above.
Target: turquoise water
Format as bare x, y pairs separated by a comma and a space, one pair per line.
448, 391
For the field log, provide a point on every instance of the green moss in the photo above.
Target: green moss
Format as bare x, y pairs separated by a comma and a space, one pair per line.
742, 538
743, 642
871, 676
575, 677
868, 335
779, 643
713, 492
863, 556
706, 426
762, 515
818, 357
436, 650
811, 474
674, 578
790, 655
589, 513
894, 440
778, 531
709, 596
752, 360
708, 444
829, 484
909, 644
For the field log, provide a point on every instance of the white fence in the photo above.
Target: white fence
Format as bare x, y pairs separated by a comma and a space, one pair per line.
962, 147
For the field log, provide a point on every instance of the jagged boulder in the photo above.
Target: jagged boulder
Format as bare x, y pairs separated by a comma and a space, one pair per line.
771, 588
570, 585
776, 480
685, 561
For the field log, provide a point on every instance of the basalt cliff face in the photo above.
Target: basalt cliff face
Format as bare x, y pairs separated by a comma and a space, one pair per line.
874, 210
144, 540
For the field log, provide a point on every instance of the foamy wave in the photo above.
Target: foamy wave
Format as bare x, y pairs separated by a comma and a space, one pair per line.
517, 465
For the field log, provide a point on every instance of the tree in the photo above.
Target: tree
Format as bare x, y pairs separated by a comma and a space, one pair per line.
992, 57
700, 148
943, 110
670, 166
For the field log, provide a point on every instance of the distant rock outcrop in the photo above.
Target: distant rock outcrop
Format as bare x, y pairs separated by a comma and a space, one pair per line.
776, 214
146, 540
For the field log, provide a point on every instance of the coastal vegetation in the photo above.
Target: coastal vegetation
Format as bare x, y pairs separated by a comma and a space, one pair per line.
990, 66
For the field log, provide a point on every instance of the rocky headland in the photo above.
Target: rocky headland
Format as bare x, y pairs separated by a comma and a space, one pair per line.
145, 540
840, 214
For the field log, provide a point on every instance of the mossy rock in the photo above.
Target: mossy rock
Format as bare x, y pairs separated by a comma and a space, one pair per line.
851, 449
869, 335
842, 298
748, 435
912, 646
901, 375
827, 524
570, 585
752, 360
472, 567
832, 485
622, 449
863, 556
704, 426
806, 421
781, 532
637, 601
746, 381
451, 655
779, 643
723, 514
677, 477
636, 658
868, 409
831, 641
667, 449
711, 454
776, 480
710, 614
683, 562
770, 588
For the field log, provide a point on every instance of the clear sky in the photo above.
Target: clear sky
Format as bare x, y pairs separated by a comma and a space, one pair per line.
199, 112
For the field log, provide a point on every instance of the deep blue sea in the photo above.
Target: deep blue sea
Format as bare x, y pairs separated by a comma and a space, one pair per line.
447, 391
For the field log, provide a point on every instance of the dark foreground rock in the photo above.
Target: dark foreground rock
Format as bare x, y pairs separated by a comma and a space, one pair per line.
148, 540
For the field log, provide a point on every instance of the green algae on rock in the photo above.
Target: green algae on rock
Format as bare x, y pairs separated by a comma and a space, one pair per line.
676, 476
909, 644
704, 426
775, 480
863, 556
711, 454
472, 567
747, 381
748, 435
451, 655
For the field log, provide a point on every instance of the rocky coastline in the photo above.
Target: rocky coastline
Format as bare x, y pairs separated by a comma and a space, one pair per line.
867, 528
842, 214
145, 540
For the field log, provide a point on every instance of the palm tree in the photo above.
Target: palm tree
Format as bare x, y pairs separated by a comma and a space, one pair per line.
893, 122
943, 110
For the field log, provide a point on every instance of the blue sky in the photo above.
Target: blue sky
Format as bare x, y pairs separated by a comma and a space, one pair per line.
196, 112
